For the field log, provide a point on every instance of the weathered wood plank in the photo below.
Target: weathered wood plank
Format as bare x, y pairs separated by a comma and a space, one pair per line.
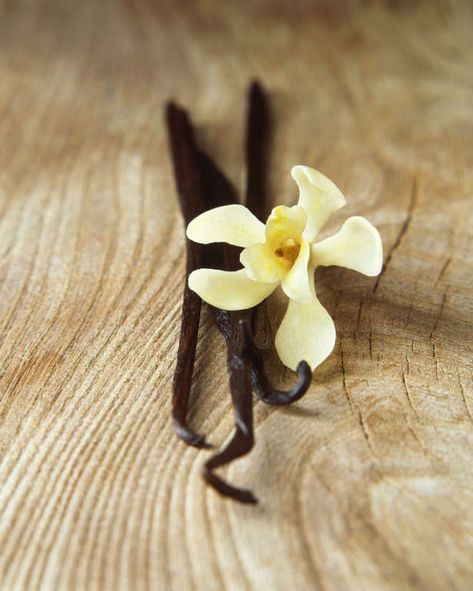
364, 484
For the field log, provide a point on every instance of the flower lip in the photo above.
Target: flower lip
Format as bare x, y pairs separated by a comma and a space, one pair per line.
288, 250
284, 233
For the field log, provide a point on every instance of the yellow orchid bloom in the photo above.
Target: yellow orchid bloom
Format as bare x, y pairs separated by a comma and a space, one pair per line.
285, 252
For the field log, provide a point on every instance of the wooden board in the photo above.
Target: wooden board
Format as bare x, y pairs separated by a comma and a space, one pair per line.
366, 483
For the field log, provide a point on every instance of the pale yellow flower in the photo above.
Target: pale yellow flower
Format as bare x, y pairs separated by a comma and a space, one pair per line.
285, 252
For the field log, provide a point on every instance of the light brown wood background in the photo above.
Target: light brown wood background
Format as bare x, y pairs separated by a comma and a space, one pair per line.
367, 483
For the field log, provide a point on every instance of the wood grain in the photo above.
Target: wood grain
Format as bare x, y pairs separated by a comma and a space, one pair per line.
366, 483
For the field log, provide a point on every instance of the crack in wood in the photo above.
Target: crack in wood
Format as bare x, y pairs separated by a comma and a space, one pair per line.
465, 400
402, 232
355, 409
370, 341
364, 429
408, 395
360, 308
344, 381
440, 312
443, 270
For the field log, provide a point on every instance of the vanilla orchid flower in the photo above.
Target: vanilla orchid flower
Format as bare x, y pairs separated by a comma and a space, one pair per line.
285, 252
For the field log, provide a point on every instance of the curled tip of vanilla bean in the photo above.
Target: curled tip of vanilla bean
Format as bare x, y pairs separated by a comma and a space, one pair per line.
274, 397
242, 441
261, 384
188, 436
243, 495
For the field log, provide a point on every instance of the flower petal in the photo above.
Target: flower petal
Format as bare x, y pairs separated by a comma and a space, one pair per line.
234, 224
262, 264
285, 223
307, 332
319, 197
357, 245
229, 290
297, 283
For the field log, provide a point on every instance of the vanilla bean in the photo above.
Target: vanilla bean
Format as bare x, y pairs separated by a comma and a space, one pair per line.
258, 123
258, 129
202, 186
188, 179
245, 365
219, 191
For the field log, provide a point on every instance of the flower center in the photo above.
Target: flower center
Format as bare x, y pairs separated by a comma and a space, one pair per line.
288, 250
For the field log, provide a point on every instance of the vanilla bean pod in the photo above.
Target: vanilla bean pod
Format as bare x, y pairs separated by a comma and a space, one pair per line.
188, 179
245, 363
258, 129
191, 169
219, 191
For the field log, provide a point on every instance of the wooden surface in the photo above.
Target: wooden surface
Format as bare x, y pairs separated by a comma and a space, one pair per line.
366, 484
